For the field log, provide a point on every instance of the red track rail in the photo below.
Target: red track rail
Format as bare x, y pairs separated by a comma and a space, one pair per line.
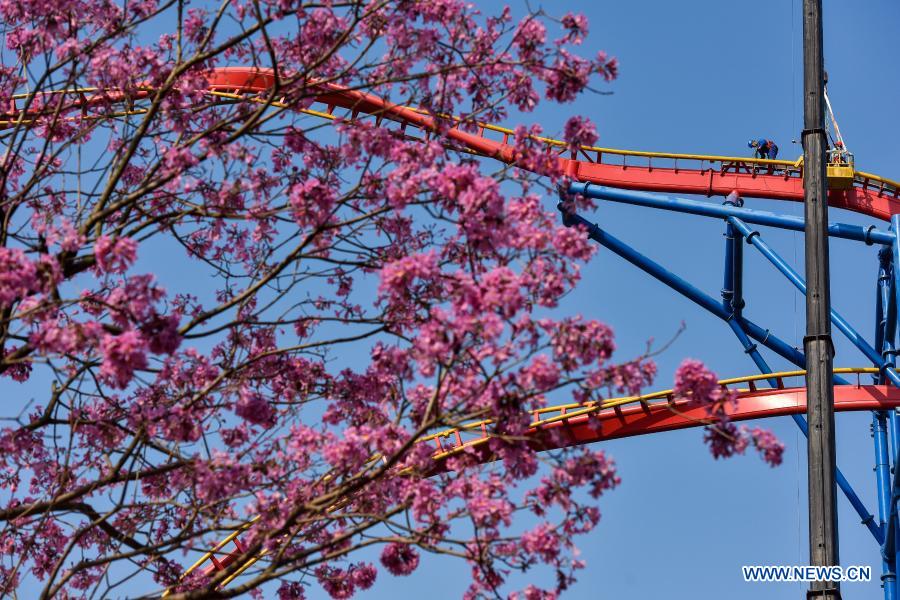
616, 423
746, 178
782, 180
663, 416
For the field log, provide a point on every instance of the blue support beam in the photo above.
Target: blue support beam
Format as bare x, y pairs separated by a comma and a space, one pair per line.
733, 284
743, 328
869, 235
855, 338
691, 292
885, 333
882, 481
732, 272
890, 550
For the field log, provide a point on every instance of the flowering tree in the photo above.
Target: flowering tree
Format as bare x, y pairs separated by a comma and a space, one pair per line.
333, 292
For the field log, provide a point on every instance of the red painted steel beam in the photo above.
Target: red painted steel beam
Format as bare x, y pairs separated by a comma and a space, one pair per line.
871, 201
776, 185
713, 182
656, 418
659, 417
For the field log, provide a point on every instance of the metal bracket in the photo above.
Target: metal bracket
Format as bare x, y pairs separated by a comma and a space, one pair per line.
806, 132
820, 336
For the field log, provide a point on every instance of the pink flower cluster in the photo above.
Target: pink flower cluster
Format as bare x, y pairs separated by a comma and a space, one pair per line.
123, 354
725, 439
18, 275
114, 255
579, 131
399, 559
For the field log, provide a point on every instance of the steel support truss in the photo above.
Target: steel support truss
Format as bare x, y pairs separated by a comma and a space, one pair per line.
885, 424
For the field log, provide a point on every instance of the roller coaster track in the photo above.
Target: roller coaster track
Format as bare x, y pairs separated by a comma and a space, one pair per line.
554, 426
629, 416
648, 171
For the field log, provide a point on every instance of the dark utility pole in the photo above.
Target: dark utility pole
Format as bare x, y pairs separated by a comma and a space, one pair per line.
823, 537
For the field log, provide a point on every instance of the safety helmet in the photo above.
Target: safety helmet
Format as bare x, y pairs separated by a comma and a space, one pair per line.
752, 143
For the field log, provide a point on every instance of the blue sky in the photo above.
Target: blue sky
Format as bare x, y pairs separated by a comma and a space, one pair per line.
704, 77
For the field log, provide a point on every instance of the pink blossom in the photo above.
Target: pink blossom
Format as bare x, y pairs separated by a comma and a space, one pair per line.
534, 593
576, 27
725, 439
399, 559
312, 202
291, 590
336, 582
161, 333
568, 77
768, 445
694, 380
18, 371
530, 37
573, 242
254, 408
397, 277
541, 375
114, 255
18, 275
579, 131
122, 355
543, 541
363, 575
577, 342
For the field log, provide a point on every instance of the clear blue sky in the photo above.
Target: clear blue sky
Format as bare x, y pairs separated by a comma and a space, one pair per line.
704, 77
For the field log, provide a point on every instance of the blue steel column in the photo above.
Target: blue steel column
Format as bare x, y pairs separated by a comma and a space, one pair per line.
732, 289
883, 483
887, 303
733, 284
885, 325
886, 311
890, 303
740, 326
654, 269
754, 239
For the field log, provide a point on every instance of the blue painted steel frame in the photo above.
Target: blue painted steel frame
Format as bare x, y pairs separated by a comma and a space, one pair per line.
743, 328
730, 310
885, 332
869, 235
855, 338
763, 336
889, 293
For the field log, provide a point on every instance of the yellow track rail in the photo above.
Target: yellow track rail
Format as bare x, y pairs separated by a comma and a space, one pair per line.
562, 412
861, 178
558, 412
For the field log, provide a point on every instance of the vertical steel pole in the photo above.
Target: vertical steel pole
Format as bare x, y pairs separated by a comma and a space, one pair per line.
823, 533
885, 324
893, 292
883, 482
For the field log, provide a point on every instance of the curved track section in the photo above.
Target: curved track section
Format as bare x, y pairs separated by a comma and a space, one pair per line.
574, 424
594, 424
648, 171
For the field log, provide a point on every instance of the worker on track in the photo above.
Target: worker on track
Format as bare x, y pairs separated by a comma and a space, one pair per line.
839, 154
764, 148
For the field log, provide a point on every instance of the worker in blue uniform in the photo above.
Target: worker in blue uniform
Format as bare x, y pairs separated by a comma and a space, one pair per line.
764, 148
